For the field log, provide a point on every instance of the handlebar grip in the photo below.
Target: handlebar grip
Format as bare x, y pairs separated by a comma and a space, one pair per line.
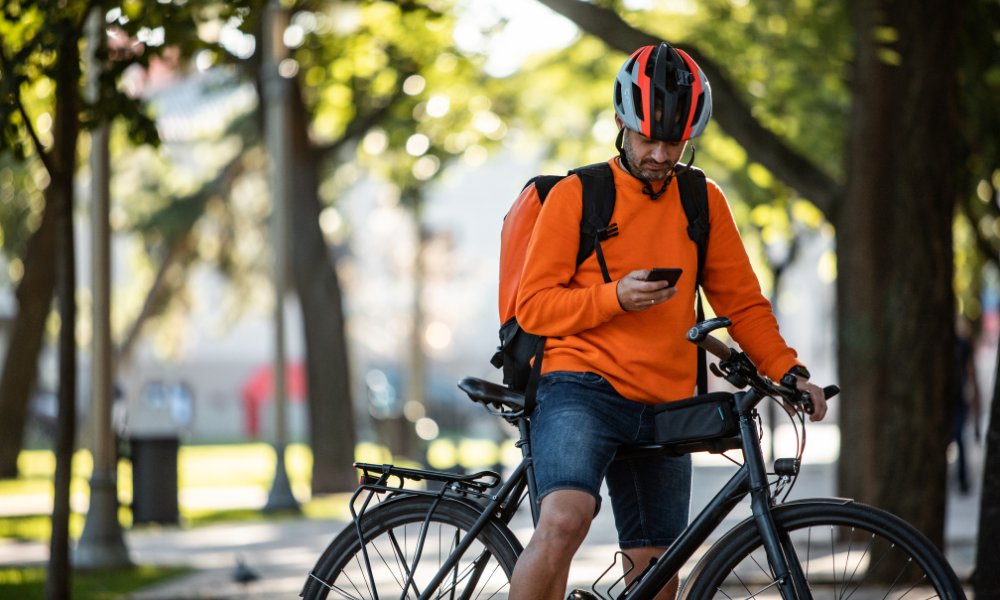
830, 391
714, 346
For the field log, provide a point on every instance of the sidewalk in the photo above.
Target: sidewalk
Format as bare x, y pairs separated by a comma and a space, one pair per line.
283, 551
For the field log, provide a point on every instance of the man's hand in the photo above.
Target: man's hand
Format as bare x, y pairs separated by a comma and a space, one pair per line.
635, 293
815, 394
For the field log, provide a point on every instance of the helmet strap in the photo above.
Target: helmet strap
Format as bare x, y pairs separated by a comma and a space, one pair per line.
647, 187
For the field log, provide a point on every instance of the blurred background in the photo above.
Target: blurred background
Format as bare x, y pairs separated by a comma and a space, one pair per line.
228, 199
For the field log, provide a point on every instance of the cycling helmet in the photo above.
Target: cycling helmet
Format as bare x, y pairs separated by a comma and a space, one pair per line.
667, 76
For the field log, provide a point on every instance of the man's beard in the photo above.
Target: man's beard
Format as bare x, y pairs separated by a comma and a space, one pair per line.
636, 168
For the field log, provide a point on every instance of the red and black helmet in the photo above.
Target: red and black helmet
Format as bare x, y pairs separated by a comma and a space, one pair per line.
667, 77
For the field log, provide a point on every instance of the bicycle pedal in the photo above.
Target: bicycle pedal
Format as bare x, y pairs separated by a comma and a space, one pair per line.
579, 594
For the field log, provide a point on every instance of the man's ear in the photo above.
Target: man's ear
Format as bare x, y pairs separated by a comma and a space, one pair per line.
619, 122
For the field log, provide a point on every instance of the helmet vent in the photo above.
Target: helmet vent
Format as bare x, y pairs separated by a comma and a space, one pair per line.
618, 94
637, 102
699, 106
631, 65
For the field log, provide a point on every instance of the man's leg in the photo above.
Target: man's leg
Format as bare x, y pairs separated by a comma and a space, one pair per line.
542, 570
641, 556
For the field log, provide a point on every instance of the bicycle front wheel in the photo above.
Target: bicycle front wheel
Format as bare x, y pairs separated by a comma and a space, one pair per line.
392, 541
846, 552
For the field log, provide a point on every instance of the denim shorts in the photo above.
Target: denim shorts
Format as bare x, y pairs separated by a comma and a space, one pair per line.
577, 427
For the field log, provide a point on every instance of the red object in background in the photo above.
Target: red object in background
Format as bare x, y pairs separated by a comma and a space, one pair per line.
258, 389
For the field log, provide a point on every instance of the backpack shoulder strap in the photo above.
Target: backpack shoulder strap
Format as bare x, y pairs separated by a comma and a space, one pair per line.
693, 188
543, 185
598, 182
694, 199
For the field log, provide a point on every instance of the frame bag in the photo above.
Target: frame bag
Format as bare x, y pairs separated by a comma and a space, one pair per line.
705, 417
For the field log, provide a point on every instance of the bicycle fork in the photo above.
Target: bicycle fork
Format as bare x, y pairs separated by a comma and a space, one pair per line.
785, 567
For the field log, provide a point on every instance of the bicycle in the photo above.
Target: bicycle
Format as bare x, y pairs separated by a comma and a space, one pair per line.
795, 550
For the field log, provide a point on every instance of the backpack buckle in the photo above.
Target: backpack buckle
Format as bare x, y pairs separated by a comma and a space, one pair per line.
698, 230
497, 360
607, 232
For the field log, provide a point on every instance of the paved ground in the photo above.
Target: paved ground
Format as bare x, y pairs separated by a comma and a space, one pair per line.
283, 551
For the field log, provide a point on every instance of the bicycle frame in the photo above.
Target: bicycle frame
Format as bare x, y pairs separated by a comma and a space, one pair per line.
751, 479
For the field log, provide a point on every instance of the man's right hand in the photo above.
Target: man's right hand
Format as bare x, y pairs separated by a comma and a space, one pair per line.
635, 293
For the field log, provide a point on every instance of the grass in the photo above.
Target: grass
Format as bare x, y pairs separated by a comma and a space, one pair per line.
217, 467
29, 583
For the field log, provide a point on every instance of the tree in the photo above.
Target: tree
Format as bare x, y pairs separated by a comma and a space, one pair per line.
893, 231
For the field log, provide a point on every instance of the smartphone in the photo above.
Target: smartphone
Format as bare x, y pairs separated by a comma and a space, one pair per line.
669, 275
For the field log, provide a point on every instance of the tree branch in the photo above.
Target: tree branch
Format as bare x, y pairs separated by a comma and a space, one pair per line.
221, 186
728, 108
358, 126
5, 65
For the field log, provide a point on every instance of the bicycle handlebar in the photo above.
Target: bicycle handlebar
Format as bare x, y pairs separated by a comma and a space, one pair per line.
740, 369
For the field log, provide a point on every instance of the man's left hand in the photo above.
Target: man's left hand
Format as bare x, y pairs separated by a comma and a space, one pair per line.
816, 395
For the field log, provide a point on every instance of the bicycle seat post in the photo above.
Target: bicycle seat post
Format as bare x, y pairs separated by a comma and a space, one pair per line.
524, 443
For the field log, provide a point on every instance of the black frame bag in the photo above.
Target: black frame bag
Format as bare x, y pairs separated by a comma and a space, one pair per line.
706, 417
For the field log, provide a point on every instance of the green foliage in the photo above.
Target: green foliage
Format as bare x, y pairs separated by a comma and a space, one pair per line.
357, 60
28, 583
977, 229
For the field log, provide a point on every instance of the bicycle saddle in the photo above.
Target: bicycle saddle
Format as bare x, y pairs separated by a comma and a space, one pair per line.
490, 393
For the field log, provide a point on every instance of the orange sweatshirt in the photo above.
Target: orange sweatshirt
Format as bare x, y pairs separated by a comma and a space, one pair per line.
644, 355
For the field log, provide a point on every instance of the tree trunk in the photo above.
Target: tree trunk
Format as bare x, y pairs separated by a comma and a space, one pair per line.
65, 132
34, 300
331, 412
986, 579
894, 239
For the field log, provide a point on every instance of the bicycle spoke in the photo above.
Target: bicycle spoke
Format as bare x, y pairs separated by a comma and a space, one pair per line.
487, 580
454, 570
498, 590
754, 594
863, 554
724, 593
395, 543
461, 577
843, 578
360, 570
833, 559
913, 586
766, 572
388, 568
870, 571
897, 579
743, 584
342, 592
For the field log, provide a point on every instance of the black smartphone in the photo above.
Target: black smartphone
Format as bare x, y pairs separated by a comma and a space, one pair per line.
669, 275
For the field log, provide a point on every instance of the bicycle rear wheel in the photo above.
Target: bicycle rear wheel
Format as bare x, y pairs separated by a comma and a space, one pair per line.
392, 531
847, 552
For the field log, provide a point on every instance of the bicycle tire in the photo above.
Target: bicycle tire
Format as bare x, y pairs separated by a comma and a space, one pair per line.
342, 569
889, 561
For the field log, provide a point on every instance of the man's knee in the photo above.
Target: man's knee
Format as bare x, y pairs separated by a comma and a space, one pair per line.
566, 515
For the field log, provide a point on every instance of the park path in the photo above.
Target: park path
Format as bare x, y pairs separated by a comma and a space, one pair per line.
282, 551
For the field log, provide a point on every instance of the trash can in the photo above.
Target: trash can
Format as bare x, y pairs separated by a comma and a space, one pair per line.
154, 422
154, 480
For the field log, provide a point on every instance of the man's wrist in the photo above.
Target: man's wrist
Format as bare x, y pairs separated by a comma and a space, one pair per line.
800, 371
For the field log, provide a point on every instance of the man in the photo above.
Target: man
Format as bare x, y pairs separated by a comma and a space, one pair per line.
615, 349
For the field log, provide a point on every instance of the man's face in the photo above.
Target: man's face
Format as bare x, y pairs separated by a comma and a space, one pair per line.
650, 159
